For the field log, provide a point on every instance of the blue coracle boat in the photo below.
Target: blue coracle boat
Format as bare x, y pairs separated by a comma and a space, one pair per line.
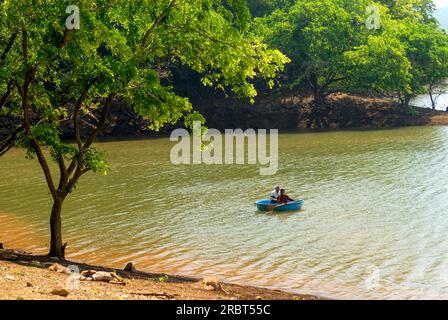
266, 205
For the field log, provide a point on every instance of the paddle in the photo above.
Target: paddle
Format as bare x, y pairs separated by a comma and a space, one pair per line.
272, 207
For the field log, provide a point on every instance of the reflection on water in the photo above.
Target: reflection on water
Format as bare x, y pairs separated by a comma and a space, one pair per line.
374, 223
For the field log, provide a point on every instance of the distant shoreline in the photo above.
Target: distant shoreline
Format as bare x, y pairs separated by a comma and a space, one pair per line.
288, 114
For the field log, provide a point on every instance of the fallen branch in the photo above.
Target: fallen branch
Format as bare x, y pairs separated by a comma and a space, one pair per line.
155, 294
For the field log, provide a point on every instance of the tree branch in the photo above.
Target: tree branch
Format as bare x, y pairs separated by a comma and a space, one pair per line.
30, 75
65, 39
102, 121
35, 145
4, 148
78, 106
25, 44
63, 172
8, 48
5, 96
78, 162
79, 169
156, 23
8, 143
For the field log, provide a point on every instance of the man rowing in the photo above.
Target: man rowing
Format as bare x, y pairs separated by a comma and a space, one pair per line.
275, 194
283, 197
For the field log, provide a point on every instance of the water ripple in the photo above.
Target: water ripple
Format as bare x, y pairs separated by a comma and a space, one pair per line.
375, 205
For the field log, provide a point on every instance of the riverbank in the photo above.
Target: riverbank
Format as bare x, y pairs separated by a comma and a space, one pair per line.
340, 111
286, 113
24, 276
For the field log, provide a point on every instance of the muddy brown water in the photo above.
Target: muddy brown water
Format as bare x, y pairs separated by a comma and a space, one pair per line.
374, 224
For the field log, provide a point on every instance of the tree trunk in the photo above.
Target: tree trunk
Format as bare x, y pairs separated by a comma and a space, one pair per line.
57, 249
431, 96
407, 100
319, 97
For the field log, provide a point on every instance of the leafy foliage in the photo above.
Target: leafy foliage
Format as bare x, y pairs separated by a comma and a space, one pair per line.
123, 50
51, 74
332, 49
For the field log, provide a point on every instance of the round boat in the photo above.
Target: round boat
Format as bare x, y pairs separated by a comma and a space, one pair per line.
266, 205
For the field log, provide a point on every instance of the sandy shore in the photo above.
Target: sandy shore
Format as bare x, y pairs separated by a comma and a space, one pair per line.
24, 276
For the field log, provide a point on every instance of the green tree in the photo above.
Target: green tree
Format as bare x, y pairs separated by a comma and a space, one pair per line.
412, 29
332, 48
378, 67
51, 74
316, 35
436, 71
421, 10
261, 8
426, 48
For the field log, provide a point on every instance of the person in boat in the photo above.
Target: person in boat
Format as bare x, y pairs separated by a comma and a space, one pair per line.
275, 194
283, 197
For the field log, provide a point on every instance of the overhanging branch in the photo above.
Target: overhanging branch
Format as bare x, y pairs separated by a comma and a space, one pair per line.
8, 143
8, 48
156, 23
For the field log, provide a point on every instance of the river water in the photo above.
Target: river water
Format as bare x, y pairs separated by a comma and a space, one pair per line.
374, 224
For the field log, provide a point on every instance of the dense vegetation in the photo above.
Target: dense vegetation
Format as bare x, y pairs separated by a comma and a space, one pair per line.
52, 75
333, 48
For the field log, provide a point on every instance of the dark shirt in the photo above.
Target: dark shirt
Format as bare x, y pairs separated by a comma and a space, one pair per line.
283, 199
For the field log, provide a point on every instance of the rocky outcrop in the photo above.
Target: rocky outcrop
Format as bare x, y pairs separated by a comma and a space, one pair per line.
344, 111
339, 111
122, 121
265, 113
270, 112
7, 126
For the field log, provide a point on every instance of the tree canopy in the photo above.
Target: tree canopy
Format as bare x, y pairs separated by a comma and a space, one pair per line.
333, 49
64, 64
52, 74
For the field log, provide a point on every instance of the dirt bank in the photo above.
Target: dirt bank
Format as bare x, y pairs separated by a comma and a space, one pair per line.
344, 111
339, 111
27, 276
270, 112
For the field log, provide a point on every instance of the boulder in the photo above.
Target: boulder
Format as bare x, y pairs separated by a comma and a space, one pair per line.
58, 268
130, 267
102, 276
88, 273
60, 292
211, 283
